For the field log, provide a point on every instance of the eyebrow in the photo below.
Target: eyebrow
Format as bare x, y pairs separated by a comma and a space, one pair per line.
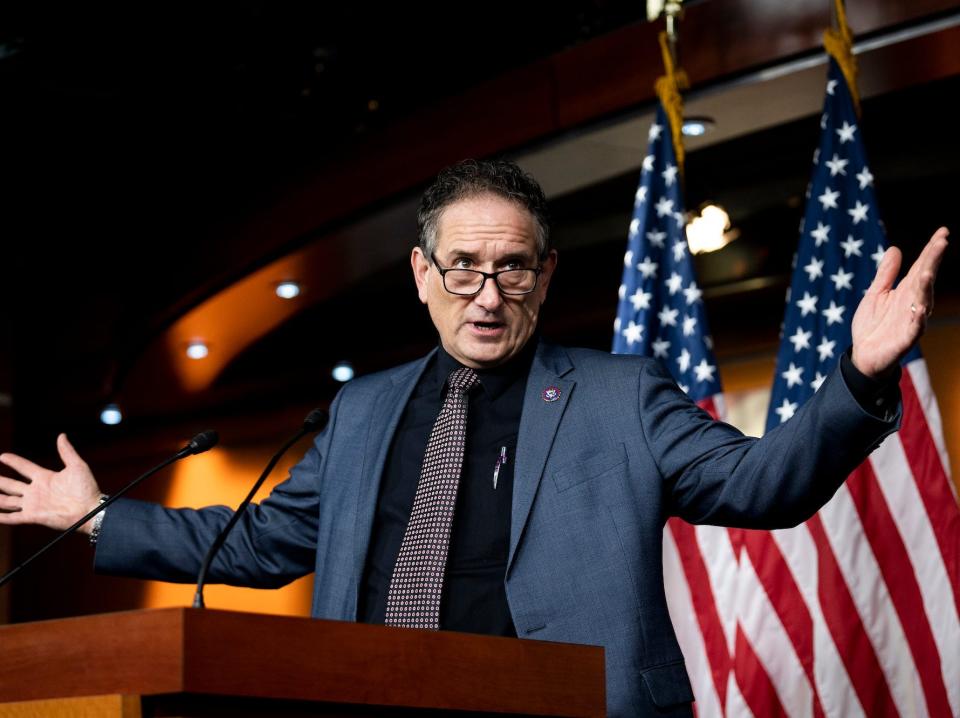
509, 257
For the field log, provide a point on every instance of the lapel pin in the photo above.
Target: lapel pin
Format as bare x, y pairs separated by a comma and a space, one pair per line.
551, 393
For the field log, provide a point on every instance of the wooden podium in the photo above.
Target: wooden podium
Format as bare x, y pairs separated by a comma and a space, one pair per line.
199, 663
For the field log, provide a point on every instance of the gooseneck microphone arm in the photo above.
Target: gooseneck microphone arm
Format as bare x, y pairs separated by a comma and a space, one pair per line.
314, 421
198, 444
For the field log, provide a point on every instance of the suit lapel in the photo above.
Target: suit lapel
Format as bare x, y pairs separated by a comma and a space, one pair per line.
545, 399
383, 425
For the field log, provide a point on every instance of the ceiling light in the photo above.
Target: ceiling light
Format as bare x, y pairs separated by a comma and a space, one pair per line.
288, 290
343, 371
111, 415
197, 349
710, 230
696, 126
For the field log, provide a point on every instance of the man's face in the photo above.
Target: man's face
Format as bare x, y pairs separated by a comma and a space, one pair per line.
486, 233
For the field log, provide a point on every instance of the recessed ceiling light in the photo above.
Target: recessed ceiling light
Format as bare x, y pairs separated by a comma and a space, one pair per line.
111, 415
197, 349
288, 290
343, 371
697, 126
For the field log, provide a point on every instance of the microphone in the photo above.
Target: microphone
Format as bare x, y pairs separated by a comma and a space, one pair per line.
198, 444
314, 421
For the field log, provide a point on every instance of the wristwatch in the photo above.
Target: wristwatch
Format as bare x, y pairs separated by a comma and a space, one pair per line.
98, 522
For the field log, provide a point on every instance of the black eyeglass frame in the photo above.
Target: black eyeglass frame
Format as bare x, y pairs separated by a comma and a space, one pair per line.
495, 276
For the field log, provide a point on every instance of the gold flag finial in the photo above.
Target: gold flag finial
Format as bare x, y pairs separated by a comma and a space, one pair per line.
839, 45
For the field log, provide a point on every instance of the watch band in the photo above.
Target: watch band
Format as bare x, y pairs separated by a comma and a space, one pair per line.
98, 522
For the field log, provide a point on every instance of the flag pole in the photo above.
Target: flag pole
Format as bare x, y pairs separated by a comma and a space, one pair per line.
669, 85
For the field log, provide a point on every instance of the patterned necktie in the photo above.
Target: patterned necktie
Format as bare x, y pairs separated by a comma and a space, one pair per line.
413, 600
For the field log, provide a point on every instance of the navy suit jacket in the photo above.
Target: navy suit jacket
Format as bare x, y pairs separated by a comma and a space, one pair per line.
598, 471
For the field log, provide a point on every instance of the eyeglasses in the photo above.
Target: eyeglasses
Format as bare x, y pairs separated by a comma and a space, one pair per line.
467, 282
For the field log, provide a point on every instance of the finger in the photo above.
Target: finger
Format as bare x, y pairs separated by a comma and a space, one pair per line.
11, 486
10, 503
931, 255
68, 455
886, 271
24, 467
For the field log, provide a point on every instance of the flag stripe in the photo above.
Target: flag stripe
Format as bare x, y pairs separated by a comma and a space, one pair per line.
920, 378
771, 641
754, 683
934, 484
704, 603
785, 597
684, 619
901, 582
834, 688
844, 622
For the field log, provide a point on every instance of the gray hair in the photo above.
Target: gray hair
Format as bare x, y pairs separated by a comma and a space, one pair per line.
472, 178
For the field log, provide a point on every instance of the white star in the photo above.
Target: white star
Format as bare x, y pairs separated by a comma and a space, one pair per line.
814, 269
704, 371
859, 213
808, 304
786, 410
792, 375
679, 218
823, 121
817, 381
641, 195
654, 132
865, 178
684, 360
851, 246
841, 279
684, 388
668, 316
628, 258
622, 291
837, 165
825, 348
692, 293
679, 249
846, 132
675, 283
689, 325
669, 175
634, 226
640, 299
829, 198
801, 339
708, 340
656, 238
647, 268
831, 86
833, 313
660, 348
632, 333
616, 325
820, 233
648, 163
816, 160
664, 207
878, 255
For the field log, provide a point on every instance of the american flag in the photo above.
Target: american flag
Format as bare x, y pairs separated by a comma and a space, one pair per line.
661, 314
859, 609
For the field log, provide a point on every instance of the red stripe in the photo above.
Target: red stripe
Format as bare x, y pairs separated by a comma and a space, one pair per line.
787, 600
901, 582
847, 629
704, 604
755, 684
932, 482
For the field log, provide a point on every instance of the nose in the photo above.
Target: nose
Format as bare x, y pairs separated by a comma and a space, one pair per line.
489, 297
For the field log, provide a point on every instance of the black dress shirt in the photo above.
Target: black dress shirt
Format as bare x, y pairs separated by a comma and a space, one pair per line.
474, 600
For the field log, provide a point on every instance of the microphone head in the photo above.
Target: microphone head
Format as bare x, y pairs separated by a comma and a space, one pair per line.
315, 420
203, 441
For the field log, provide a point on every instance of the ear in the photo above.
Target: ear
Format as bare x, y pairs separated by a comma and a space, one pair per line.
421, 268
549, 266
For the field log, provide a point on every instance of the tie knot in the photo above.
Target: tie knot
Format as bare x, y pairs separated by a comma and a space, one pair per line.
461, 380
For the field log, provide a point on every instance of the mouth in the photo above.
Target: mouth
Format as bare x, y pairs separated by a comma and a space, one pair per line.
487, 329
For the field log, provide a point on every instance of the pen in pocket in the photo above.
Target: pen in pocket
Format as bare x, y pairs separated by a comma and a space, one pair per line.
501, 460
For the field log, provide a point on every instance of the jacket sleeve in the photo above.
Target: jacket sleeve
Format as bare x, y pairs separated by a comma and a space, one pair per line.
273, 544
716, 475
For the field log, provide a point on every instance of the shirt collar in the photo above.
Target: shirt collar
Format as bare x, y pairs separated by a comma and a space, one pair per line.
495, 380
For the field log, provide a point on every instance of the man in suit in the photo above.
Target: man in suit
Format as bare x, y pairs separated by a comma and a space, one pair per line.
575, 459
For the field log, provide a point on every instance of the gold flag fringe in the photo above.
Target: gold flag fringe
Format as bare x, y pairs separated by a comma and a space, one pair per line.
668, 89
839, 45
